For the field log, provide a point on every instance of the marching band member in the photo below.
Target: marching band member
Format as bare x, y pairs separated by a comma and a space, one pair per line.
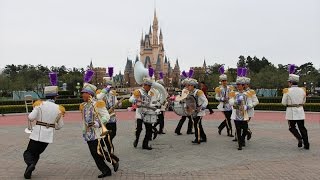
183, 118
240, 101
109, 96
161, 106
142, 97
254, 98
202, 103
48, 116
222, 95
95, 116
294, 98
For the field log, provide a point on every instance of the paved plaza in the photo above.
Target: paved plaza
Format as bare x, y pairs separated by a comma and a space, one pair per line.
272, 153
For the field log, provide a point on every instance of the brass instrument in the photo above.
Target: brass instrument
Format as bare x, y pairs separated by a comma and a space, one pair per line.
28, 100
104, 130
111, 109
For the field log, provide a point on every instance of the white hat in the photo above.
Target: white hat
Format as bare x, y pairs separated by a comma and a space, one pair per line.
53, 89
293, 78
241, 80
148, 81
192, 82
223, 77
247, 80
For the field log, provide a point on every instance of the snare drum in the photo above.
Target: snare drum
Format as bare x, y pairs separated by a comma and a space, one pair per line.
185, 107
149, 117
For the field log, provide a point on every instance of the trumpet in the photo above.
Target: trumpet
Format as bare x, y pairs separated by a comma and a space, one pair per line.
28, 100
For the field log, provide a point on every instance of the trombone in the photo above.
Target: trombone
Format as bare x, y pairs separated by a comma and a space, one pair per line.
104, 132
28, 100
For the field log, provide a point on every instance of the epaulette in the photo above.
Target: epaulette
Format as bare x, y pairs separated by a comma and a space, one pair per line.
100, 104
37, 103
136, 93
62, 109
232, 94
98, 91
81, 106
285, 90
248, 93
114, 93
252, 92
200, 93
217, 90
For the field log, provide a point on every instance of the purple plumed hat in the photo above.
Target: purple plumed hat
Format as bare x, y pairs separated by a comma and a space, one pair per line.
53, 76
239, 71
244, 72
291, 68
184, 74
110, 72
88, 76
190, 74
221, 69
151, 71
160, 75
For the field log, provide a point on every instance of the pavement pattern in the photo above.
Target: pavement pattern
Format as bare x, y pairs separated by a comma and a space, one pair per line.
272, 153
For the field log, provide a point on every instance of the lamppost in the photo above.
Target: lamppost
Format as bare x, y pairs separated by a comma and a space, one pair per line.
78, 87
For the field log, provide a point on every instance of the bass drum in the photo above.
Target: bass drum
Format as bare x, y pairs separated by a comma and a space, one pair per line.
185, 107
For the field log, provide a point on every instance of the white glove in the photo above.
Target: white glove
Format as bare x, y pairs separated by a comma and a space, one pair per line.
157, 111
245, 107
222, 99
96, 124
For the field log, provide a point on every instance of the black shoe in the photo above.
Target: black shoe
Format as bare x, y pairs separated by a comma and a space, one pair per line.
147, 147
230, 135
239, 148
161, 132
211, 112
135, 143
104, 175
178, 133
190, 132
307, 146
116, 166
244, 144
196, 142
219, 131
235, 140
155, 134
249, 136
28, 172
203, 140
300, 143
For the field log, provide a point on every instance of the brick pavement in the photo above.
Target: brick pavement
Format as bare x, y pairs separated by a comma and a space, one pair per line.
271, 154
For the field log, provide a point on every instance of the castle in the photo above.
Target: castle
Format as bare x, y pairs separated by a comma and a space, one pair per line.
152, 53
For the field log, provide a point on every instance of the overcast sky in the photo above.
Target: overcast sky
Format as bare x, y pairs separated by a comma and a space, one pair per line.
71, 32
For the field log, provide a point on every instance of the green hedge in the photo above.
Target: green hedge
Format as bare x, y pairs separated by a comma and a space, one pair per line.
314, 107
275, 99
